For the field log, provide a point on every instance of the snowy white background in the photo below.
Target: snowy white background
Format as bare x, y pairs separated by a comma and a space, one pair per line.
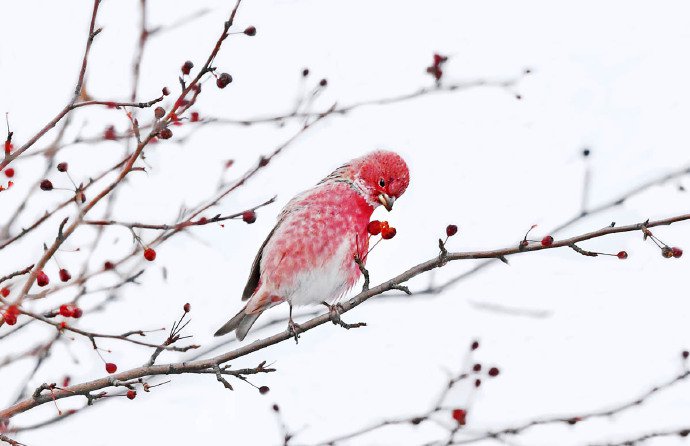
610, 76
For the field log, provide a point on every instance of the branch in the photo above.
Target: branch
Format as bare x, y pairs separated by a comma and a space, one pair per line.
209, 364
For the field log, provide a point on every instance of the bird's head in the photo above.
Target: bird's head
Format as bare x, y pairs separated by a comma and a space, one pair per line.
382, 176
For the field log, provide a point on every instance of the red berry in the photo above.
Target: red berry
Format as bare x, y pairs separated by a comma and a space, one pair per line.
66, 380
194, 117
109, 133
547, 241
374, 227
8, 147
110, 367
62, 167
66, 311
65, 275
677, 252
166, 133
5, 292
42, 279
451, 230
187, 307
108, 265
9, 172
388, 233
249, 217
263, 390
477, 367
131, 394
62, 325
493, 371
187, 67
13, 310
459, 415
223, 80
46, 185
77, 313
10, 319
250, 31
622, 255
150, 254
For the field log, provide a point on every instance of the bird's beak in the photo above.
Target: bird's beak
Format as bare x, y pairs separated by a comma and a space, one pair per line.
387, 201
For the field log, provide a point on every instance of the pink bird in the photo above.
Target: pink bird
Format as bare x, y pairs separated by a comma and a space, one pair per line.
309, 256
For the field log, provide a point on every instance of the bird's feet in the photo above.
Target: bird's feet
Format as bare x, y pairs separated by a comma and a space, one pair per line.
334, 312
294, 329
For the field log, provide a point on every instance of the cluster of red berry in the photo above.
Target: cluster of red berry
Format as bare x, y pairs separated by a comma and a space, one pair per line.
376, 227
11, 313
68, 310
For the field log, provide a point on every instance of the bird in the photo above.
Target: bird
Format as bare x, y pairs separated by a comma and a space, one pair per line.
310, 255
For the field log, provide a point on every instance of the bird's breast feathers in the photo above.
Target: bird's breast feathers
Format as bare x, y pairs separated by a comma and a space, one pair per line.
310, 256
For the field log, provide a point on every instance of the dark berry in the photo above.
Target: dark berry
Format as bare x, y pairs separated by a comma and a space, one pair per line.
166, 133
187, 67
42, 279
622, 255
250, 31
451, 230
249, 217
46, 185
223, 80
159, 112
65, 276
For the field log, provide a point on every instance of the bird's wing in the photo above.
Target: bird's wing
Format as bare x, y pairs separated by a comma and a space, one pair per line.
255, 273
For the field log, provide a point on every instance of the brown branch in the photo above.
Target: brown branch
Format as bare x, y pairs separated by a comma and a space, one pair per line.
345, 109
63, 235
183, 224
206, 364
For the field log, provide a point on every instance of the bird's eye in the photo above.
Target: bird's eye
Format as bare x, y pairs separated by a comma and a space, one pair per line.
382, 182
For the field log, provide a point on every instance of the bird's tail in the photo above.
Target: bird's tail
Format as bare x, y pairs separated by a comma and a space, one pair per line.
241, 323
